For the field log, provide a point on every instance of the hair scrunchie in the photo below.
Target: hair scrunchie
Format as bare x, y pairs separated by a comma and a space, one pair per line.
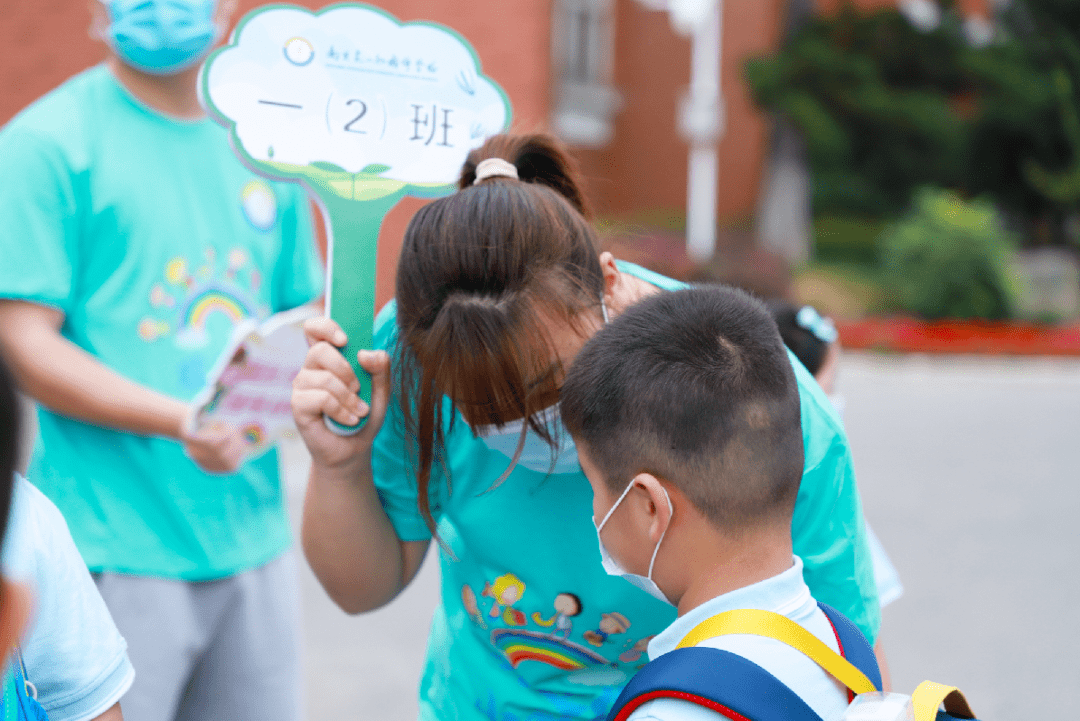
495, 168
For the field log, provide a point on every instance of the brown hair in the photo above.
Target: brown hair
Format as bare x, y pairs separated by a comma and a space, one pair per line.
539, 159
479, 274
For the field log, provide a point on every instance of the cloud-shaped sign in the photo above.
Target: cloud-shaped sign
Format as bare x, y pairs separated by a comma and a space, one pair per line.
351, 90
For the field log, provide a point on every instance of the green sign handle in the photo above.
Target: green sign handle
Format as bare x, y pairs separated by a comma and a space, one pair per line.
354, 241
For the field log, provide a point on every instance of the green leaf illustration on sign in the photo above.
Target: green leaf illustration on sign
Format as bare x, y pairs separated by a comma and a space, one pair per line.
363, 110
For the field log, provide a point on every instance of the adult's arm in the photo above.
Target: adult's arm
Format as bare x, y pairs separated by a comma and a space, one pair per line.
351, 544
69, 381
347, 536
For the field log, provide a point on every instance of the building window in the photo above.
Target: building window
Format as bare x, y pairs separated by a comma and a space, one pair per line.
583, 48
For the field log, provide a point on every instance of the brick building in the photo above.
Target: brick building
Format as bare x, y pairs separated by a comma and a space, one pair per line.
618, 59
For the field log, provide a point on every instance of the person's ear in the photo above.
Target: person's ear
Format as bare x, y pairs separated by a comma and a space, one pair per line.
611, 277
659, 505
99, 20
223, 14
15, 604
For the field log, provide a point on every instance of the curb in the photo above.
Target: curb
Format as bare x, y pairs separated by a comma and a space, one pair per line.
908, 335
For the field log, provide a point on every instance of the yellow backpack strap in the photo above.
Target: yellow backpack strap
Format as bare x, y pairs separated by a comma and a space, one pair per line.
772, 625
929, 695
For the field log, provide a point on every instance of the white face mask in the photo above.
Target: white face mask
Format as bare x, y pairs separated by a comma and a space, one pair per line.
613, 568
536, 454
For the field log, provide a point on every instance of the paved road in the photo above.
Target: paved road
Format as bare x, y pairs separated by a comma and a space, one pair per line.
968, 471
367, 667
969, 474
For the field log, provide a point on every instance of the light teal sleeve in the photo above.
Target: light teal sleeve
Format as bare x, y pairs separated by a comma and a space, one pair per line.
39, 233
299, 272
827, 530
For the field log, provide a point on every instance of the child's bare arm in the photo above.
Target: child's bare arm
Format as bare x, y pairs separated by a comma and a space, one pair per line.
113, 713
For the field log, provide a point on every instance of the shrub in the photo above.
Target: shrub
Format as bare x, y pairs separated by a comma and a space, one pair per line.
947, 259
846, 238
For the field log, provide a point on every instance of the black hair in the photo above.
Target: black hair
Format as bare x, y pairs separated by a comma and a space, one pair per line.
807, 347
9, 442
695, 387
577, 600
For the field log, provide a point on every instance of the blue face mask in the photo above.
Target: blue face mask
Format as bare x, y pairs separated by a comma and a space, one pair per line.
523, 447
535, 454
161, 37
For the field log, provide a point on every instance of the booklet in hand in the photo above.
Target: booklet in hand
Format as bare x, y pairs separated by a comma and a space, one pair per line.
250, 386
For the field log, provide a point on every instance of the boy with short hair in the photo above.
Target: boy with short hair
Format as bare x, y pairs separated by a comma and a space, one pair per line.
685, 412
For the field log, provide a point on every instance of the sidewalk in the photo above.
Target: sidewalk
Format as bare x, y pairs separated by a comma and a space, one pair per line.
366, 667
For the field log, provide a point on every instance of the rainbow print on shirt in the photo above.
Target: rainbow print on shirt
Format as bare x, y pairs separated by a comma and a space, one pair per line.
201, 306
211, 301
519, 646
193, 297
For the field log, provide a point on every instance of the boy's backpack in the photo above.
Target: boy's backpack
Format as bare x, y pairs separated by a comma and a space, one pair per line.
19, 702
741, 690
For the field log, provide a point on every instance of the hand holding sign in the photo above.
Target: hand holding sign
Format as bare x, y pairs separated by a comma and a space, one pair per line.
326, 387
363, 110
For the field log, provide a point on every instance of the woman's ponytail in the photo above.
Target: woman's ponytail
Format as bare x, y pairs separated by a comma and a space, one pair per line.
539, 159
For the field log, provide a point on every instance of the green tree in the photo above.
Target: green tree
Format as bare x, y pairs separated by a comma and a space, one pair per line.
1025, 141
873, 98
886, 109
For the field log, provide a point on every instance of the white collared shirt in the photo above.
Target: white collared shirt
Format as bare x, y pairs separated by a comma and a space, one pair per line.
786, 594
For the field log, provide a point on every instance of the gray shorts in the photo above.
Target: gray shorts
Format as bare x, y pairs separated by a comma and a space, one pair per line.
221, 650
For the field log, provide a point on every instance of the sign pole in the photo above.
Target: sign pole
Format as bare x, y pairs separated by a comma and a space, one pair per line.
353, 241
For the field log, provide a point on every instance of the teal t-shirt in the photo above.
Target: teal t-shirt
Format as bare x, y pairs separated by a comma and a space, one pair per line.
499, 648
154, 240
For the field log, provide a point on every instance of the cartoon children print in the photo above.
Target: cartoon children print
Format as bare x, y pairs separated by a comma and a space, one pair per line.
468, 600
567, 605
635, 650
552, 645
506, 590
610, 624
